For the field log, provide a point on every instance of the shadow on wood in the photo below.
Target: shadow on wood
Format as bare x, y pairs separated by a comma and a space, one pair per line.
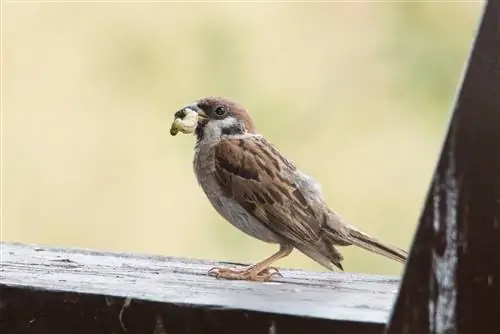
452, 279
48, 290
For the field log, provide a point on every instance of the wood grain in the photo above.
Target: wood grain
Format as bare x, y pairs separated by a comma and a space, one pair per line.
63, 274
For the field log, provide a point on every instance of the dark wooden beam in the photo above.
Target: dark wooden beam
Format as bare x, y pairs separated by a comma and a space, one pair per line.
452, 280
49, 290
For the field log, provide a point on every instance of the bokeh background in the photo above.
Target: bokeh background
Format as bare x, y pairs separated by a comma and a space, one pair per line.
357, 94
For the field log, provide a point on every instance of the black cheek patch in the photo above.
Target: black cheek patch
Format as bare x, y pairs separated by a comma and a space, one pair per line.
235, 129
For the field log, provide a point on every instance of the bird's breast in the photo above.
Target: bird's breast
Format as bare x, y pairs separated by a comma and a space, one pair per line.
227, 207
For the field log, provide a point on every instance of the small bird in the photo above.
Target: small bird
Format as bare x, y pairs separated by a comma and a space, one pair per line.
259, 191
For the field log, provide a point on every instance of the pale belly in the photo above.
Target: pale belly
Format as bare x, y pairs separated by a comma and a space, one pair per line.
241, 219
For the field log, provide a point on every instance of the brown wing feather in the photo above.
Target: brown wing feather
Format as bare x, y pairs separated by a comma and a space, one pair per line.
253, 173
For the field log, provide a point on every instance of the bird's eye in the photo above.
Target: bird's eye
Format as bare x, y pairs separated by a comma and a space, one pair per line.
220, 111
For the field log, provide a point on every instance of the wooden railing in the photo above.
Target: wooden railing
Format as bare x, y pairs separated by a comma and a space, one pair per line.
48, 290
451, 282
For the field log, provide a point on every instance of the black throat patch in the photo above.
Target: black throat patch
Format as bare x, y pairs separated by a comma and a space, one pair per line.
199, 131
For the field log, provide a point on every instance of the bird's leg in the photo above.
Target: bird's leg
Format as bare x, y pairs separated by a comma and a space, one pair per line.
260, 271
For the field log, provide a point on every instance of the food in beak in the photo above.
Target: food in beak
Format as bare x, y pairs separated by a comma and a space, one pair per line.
185, 121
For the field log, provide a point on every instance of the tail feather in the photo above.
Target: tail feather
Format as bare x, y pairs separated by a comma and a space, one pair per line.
374, 245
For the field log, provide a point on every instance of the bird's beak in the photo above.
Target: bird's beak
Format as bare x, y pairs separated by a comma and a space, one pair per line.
193, 107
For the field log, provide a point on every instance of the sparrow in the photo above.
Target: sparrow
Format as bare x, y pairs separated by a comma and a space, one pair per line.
262, 193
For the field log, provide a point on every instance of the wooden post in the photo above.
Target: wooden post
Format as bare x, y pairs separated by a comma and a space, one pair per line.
62, 291
452, 280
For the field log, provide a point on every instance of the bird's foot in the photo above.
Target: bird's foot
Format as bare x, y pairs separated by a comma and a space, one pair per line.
247, 274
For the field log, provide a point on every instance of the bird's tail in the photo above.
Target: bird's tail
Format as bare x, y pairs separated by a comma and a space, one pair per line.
374, 245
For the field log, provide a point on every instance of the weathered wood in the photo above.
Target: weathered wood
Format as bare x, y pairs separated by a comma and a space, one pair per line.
452, 279
49, 290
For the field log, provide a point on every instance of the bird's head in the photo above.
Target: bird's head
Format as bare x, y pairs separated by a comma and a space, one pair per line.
218, 117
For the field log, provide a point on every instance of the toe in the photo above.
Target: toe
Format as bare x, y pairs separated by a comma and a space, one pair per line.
265, 275
244, 274
271, 271
227, 273
214, 271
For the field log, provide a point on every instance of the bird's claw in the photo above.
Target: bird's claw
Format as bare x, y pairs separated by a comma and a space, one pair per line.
244, 274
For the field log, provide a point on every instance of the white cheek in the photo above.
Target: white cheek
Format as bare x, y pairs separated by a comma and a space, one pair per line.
212, 130
227, 122
214, 127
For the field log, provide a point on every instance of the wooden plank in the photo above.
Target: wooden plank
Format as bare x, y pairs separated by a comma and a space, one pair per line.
452, 279
35, 279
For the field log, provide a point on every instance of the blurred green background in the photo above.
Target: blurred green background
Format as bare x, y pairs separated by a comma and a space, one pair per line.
357, 94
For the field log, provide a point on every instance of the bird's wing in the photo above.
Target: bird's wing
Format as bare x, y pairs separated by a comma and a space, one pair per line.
253, 172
